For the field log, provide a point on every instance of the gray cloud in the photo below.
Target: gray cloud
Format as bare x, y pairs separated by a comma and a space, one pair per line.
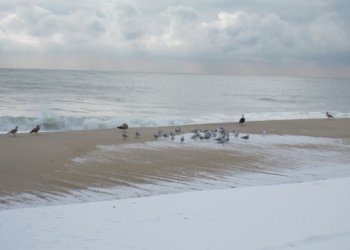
187, 32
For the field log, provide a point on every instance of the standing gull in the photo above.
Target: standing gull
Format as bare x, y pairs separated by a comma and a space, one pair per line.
329, 115
177, 130
13, 131
242, 120
246, 137
125, 136
124, 127
35, 130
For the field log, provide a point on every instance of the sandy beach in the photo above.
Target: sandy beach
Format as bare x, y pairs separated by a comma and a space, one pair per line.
44, 164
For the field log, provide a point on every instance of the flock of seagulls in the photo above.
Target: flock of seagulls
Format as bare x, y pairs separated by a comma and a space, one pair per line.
220, 135
177, 131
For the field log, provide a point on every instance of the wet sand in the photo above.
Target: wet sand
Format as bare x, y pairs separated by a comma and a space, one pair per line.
42, 164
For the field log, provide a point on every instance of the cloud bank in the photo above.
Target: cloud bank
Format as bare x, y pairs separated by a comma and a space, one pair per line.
211, 37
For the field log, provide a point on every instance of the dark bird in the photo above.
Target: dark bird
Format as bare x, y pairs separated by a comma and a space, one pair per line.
182, 139
242, 120
13, 131
246, 137
329, 115
123, 127
177, 130
160, 132
125, 136
35, 130
137, 135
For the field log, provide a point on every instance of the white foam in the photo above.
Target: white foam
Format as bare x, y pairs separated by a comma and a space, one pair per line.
52, 121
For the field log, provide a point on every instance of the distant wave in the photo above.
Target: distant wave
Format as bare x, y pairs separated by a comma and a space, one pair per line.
276, 100
63, 123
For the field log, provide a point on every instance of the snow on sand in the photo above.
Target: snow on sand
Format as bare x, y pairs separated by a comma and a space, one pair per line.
312, 215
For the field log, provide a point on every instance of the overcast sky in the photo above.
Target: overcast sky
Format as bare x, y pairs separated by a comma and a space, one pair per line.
258, 37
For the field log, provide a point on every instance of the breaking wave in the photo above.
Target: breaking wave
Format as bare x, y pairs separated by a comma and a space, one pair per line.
50, 121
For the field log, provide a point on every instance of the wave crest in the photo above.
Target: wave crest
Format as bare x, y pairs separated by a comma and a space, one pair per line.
49, 121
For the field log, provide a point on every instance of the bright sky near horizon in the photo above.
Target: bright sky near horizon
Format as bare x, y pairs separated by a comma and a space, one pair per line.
253, 37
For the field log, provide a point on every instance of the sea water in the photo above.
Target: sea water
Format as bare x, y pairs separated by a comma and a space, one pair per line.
77, 100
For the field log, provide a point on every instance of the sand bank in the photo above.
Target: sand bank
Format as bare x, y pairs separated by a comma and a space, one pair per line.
42, 164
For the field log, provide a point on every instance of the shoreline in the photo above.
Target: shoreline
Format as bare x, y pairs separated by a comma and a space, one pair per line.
280, 127
261, 122
42, 164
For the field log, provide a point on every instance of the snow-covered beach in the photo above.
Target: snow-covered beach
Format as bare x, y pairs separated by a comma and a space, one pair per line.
311, 215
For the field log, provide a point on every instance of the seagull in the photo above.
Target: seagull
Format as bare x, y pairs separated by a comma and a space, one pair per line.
155, 136
242, 120
182, 139
177, 130
246, 137
172, 137
35, 130
329, 115
137, 134
124, 127
125, 136
195, 136
222, 140
13, 131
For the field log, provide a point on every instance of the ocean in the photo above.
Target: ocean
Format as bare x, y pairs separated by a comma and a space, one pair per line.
62, 100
